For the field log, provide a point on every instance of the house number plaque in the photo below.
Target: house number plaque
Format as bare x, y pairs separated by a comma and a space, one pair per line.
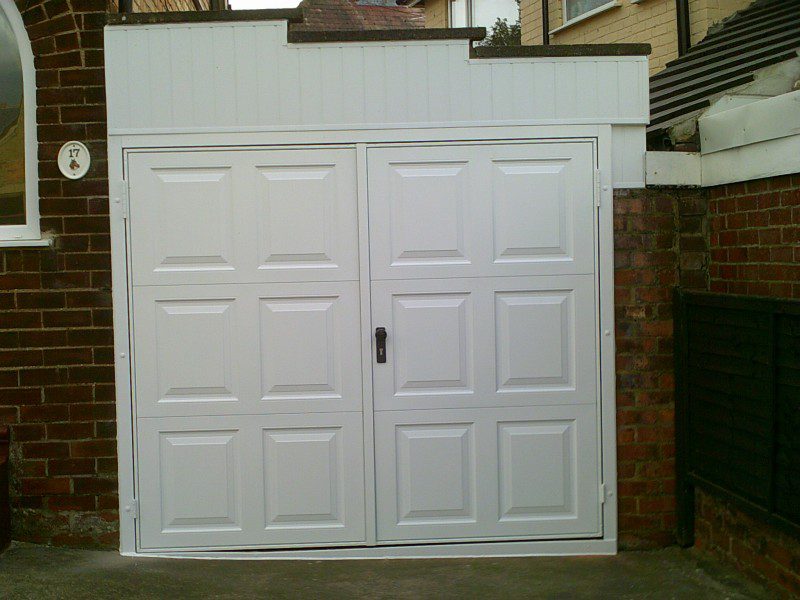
74, 160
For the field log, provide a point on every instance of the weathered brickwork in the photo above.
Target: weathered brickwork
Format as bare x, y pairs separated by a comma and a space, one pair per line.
645, 258
754, 250
660, 241
755, 237
761, 552
56, 369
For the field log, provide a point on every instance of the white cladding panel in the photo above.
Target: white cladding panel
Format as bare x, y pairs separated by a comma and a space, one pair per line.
183, 77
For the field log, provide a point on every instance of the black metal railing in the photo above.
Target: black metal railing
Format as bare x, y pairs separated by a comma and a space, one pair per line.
737, 373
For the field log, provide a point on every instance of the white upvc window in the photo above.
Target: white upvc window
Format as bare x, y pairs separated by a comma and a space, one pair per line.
19, 200
576, 8
482, 13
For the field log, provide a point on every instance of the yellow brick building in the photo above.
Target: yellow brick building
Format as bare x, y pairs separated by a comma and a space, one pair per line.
600, 22
597, 22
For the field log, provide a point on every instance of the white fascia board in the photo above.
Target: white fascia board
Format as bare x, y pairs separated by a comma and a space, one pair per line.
768, 119
673, 168
754, 161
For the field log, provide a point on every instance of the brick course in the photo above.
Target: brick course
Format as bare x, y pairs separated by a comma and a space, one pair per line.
755, 237
754, 250
759, 551
651, 227
56, 362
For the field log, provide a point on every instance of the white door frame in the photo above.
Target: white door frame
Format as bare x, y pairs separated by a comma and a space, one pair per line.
119, 146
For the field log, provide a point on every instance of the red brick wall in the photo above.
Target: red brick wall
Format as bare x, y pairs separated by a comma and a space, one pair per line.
754, 250
56, 369
757, 550
755, 237
652, 228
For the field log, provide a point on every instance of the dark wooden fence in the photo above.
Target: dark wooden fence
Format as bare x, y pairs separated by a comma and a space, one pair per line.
737, 371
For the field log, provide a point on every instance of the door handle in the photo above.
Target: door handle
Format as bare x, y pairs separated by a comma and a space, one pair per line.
380, 344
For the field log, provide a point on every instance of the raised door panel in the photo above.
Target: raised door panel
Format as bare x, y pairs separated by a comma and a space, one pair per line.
545, 342
309, 347
435, 474
483, 342
190, 487
547, 465
432, 343
250, 216
190, 358
541, 209
305, 215
497, 473
427, 483
247, 349
313, 479
481, 210
183, 217
422, 211
427, 214
251, 481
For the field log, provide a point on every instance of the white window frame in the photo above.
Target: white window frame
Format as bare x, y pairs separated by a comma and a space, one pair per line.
586, 15
468, 4
470, 9
28, 234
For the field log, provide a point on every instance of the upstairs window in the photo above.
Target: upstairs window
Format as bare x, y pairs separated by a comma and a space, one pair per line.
576, 8
19, 214
482, 13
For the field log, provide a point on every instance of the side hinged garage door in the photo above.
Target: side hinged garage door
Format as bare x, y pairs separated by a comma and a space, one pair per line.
247, 341
247, 331
483, 275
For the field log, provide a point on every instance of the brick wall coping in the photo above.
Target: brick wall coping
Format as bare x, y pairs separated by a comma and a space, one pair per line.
293, 15
389, 35
562, 50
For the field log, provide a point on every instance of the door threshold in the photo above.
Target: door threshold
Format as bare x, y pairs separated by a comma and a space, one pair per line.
598, 547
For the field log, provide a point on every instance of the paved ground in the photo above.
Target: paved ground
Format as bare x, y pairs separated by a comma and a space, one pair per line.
28, 571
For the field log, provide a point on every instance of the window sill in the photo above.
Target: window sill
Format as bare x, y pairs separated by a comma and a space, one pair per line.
587, 15
43, 242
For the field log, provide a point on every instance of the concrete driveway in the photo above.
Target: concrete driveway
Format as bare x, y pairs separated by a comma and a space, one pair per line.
39, 572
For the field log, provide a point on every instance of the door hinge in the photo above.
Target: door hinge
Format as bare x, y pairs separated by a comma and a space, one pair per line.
122, 199
602, 493
132, 508
598, 191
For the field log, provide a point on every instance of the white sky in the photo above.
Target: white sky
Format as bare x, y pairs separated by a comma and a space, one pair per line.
248, 4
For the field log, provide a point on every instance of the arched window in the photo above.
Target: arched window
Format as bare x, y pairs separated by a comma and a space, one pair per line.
19, 203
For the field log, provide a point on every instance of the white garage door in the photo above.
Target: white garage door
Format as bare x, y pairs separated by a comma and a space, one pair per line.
247, 345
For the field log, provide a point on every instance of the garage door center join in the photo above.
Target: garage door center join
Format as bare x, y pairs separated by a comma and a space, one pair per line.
258, 425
